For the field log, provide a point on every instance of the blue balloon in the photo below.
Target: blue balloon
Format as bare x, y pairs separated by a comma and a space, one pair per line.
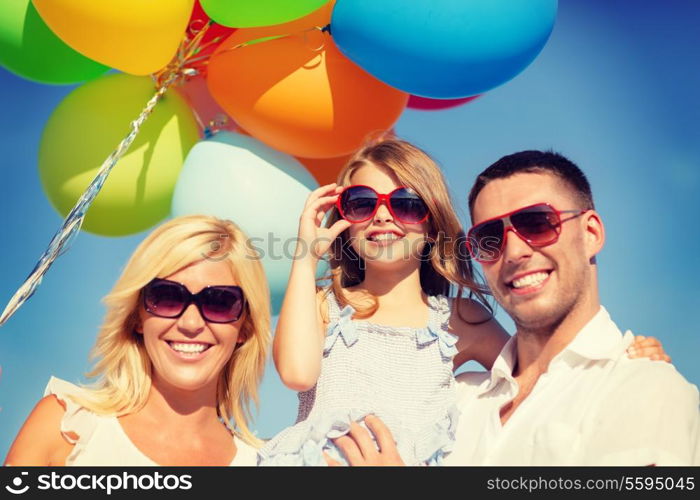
443, 49
237, 177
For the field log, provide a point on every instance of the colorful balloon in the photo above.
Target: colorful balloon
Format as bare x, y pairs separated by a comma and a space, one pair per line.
426, 104
134, 36
84, 130
236, 177
29, 48
253, 13
298, 93
199, 18
209, 115
446, 49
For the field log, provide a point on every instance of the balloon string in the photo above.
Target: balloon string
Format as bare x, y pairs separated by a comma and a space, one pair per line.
212, 128
304, 33
178, 69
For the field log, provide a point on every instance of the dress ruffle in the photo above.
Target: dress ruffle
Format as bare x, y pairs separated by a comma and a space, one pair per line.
343, 327
77, 420
308, 445
437, 328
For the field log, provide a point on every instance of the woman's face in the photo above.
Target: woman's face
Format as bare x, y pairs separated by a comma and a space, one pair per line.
383, 240
188, 353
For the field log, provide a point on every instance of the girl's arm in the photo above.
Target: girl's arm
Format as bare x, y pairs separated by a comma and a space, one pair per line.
484, 342
298, 345
481, 342
647, 347
39, 441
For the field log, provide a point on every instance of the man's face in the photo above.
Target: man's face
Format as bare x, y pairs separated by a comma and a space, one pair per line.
538, 286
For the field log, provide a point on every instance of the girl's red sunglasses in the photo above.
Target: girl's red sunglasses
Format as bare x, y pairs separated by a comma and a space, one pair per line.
360, 203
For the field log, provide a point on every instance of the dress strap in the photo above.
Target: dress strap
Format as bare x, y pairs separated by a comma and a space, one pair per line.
340, 324
438, 327
333, 307
440, 311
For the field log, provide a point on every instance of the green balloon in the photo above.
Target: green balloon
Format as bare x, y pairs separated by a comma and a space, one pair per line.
252, 13
88, 125
30, 49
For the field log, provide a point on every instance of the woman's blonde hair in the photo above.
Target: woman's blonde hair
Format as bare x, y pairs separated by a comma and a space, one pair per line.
444, 261
123, 368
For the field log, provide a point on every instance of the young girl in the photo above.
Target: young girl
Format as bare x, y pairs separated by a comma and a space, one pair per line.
384, 338
181, 354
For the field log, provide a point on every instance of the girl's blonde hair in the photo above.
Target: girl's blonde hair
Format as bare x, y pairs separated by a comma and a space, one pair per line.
444, 260
123, 368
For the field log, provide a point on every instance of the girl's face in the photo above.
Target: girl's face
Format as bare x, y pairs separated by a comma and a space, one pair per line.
188, 353
383, 240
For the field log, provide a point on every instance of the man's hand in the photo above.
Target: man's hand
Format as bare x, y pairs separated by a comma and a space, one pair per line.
359, 449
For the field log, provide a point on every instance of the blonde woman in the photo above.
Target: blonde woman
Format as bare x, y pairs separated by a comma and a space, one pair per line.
179, 359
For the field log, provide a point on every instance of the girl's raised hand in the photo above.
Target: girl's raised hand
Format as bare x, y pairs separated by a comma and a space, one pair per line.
648, 347
314, 239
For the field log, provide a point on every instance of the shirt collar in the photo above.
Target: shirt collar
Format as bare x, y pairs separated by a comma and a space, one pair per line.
599, 339
503, 366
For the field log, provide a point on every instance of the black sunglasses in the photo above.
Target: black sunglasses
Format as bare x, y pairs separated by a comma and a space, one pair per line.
216, 304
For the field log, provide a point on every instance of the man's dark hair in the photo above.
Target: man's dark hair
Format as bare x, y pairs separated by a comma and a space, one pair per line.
536, 162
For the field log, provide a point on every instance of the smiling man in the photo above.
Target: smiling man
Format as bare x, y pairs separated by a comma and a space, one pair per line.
562, 391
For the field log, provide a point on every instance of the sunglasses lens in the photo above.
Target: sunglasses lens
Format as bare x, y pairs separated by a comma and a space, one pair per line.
222, 304
358, 203
164, 299
408, 206
485, 241
539, 225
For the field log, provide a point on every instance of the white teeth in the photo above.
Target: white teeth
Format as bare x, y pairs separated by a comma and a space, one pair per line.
530, 280
188, 348
383, 237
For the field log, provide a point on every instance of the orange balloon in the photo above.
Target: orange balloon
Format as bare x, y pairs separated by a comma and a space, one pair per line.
298, 93
325, 170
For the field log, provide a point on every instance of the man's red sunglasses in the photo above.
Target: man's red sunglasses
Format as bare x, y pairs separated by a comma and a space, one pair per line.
539, 225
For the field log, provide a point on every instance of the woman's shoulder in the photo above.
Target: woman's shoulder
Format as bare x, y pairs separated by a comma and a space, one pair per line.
45, 438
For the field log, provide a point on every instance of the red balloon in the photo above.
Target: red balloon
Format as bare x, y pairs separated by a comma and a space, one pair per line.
210, 117
426, 104
215, 34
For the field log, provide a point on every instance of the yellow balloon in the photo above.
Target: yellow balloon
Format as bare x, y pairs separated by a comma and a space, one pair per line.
88, 125
134, 36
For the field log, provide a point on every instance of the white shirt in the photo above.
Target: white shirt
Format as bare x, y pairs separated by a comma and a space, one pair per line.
102, 440
593, 406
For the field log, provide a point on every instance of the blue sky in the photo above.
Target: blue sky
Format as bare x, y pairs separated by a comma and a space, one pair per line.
615, 89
